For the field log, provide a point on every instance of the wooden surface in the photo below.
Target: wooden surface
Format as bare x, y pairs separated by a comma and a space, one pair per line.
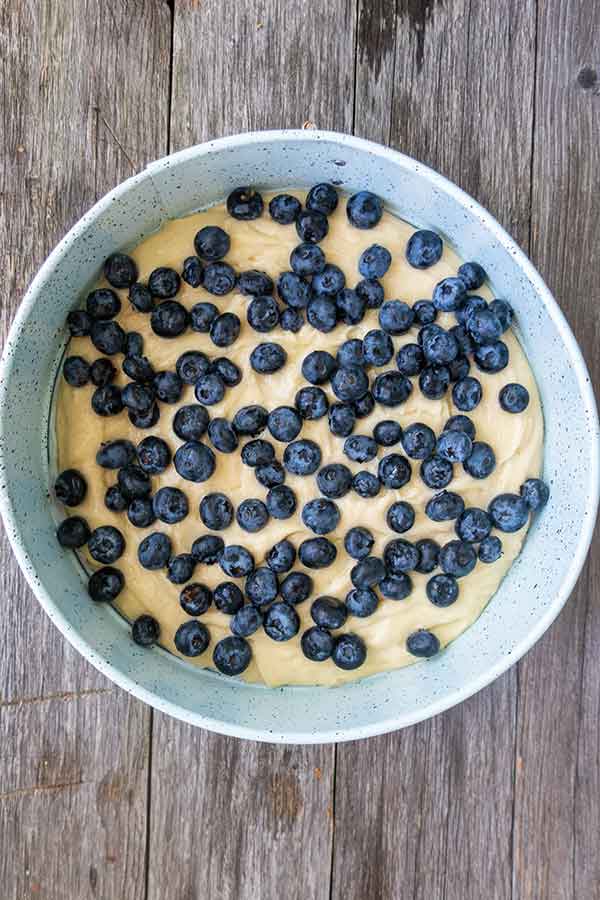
498, 798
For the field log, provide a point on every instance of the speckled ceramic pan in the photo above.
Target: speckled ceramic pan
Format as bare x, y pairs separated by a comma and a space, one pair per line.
535, 588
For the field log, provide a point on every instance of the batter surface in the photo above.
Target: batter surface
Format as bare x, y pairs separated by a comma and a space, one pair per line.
263, 244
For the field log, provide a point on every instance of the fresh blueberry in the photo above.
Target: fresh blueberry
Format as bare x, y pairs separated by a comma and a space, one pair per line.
106, 584
321, 515
329, 282
169, 319
350, 307
535, 493
482, 460
73, 532
425, 312
442, 590
341, 419
226, 370
79, 323
302, 457
484, 326
145, 631
366, 484
284, 209
436, 472
228, 598
225, 329
194, 461
422, 643
371, 291
107, 337
170, 505
120, 270
195, 599
281, 557
311, 226
400, 516
317, 553
191, 365
210, 389
424, 249
461, 423
473, 525
323, 198
245, 204
350, 353
207, 549
418, 441
410, 359
202, 315
327, 612
490, 549
134, 344
138, 368
291, 320
262, 314
141, 299
307, 259
396, 317
136, 397
472, 274
358, 542
190, 422
459, 368
395, 587
296, 588
192, 638
374, 261
457, 558
311, 403
134, 482
466, 394
434, 381
219, 279
439, 346
514, 398
503, 312
469, 305
449, 294
193, 271
114, 499
509, 512
250, 420
164, 283
394, 471
232, 655
364, 210
317, 644
270, 475
181, 568
387, 433
212, 243
364, 407
492, 357
281, 502
216, 511
334, 480
462, 338
360, 448
350, 383
284, 423
318, 366
76, 371
103, 304
455, 446
362, 602
106, 544
445, 506
349, 650
246, 621
140, 512
252, 515
281, 622
267, 358
429, 555
236, 561
378, 348
257, 453
391, 388
254, 283
368, 572
168, 386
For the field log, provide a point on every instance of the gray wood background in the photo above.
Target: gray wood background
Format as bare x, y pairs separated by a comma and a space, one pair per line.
498, 798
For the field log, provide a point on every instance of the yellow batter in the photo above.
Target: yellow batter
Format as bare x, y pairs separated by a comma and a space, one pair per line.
263, 244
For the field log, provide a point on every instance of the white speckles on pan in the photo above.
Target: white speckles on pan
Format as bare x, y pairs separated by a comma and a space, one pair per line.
535, 588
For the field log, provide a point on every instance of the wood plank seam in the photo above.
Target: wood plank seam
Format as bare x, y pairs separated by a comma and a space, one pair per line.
63, 695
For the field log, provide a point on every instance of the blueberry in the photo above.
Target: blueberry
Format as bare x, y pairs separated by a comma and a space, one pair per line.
250, 420
140, 512
114, 499
207, 549
232, 655
281, 502
70, 487
327, 612
387, 433
254, 283
141, 299
434, 381
317, 553
226, 370
364, 210
191, 365
164, 283
73, 532
103, 304
436, 472
367, 572
364, 407
457, 558
302, 457
79, 323
134, 344
145, 631
296, 588
107, 337
371, 291
422, 643
391, 388
195, 599
466, 394
169, 319
329, 282
193, 271
341, 419
492, 357
105, 584
318, 366
410, 359
424, 249
358, 542
449, 294
400, 556
270, 475
168, 386
236, 561
396, 317
429, 555
400, 516
192, 638
194, 461
503, 312
228, 598
394, 471
134, 482
484, 326
267, 358
181, 568
311, 226
261, 586
202, 315
350, 307
281, 557
262, 314
311, 403
76, 371
418, 441
257, 453
137, 397
361, 602
212, 243
281, 622
245, 203
291, 320
285, 425
461, 423
459, 368
294, 290
514, 398
366, 484
323, 198
462, 338
374, 261
535, 493
349, 650
468, 307
442, 590
216, 511
321, 515
284, 209
425, 312
490, 549
317, 644
444, 507
473, 525
395, 587
482, 460
209, 389
190, 422
225, 330
307, 259
360, 448
509, 512
106, 544
472, 274
170, 505
138, 368
246, 621
252, 515
350, 383
455, 446
350, 353
439, 346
